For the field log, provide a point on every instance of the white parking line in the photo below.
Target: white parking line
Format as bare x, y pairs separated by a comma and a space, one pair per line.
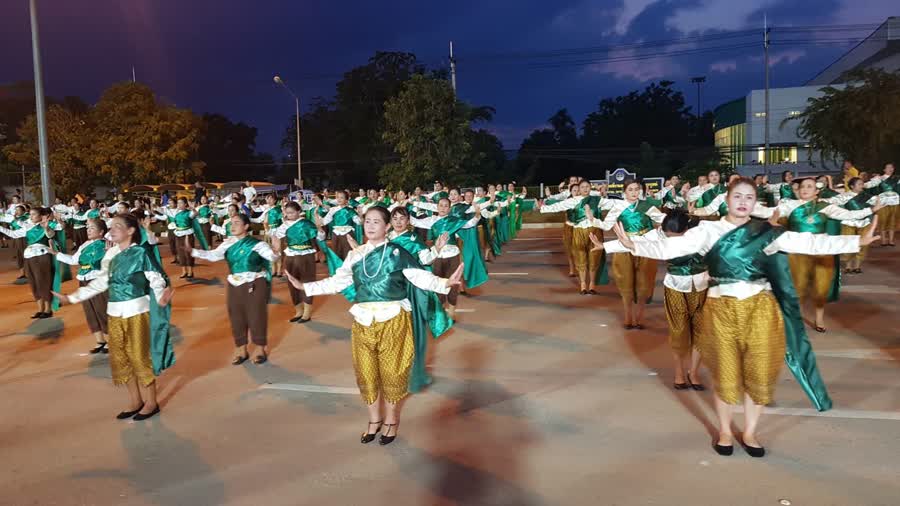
535, 238
533, 252
873, 289
858, 414
318, 389
859, 354
465, 310
508, 273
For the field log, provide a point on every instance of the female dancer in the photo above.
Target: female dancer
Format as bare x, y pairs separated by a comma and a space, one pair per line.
204, 215
271, 218
17, 219
887, 187
79, 222
300, 236
343, 220
449, 256
138, 312
249, 264
391, 316
854, 198
743, 332
808, 214
41, 268
685, 284
88, 258
635, 276
224, 230
590, 264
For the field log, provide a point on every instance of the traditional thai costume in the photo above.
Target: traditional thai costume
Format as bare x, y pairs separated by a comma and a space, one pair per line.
635, 276
204, 218
852, 201
392, 316
685, 285
44, 273
886, 189
343, 221
591, 265
249, 285
139, 344
449, 257
88, 258
743, 334
823, 270
299, 257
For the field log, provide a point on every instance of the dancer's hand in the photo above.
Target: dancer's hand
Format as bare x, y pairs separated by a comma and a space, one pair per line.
293, 281
166, 297
441, 241
352, 242
598, 244
455, 279
869, 237
589, 213
878, 205
624, 239
547, 191
63, 299
773, 220
692, 206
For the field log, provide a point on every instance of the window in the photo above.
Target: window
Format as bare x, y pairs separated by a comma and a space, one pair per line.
759, 114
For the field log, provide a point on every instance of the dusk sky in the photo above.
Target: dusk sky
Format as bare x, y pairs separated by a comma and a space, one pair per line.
220, 56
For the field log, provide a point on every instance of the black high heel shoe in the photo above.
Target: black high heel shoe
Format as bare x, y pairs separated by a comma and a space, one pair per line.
386, 440
368, 437
124, 415
723, 450
101, 347
756, 452
696, 386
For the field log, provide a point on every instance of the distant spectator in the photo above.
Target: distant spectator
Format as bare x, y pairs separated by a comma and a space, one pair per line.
199, 192
249, 192
164, 198
849, 171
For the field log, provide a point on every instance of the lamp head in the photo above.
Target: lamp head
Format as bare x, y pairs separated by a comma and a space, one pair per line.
278, 80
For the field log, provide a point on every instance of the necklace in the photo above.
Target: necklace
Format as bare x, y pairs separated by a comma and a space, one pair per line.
380, 263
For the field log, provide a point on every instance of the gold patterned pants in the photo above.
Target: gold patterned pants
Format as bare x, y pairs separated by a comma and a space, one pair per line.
683, 314
567, 240
887, 217
382, 357
741, 341
819, 269
635, 276
129, 349
848, 230
586, 261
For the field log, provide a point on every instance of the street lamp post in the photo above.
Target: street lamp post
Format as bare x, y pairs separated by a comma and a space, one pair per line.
280, 81
39, 105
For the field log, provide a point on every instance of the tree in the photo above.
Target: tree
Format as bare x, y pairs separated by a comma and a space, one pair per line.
858, 122
342, 139
138, 140
228, 149
68, 140
549, 154
430, 131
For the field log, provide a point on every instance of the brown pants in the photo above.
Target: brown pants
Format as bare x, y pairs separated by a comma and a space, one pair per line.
302, 267
79, 236
635, 276
207, 233
444, 268
340, 245
848, 230
95, 311
19, 249
184, 250
248, 311
173, 248
39, 271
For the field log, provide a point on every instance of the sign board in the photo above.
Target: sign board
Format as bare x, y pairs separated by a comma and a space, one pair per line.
615, 179
304, 195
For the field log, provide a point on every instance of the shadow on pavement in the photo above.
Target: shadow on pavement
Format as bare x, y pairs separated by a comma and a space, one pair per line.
472, 459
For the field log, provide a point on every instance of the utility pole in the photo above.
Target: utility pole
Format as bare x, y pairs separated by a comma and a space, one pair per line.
766, 113
699, 80
452, 69
280, 81
39, 105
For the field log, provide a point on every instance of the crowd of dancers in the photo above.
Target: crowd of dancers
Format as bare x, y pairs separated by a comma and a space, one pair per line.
732, 299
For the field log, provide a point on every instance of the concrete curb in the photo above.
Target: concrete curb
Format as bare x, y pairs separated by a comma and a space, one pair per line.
542, 225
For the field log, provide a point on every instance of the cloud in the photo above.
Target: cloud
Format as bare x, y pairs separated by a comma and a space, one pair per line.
786, 56
723, 67
715, 15
637, 70
587, 15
